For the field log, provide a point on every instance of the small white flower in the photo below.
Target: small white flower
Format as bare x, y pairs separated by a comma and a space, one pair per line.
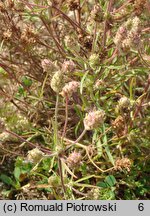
94, 119
35, 155
47, 65
68, 66
69, 89
124, 102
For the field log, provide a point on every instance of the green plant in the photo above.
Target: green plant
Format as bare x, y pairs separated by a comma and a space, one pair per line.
74, 86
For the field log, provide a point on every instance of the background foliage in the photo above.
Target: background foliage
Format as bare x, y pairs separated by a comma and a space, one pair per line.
74, 99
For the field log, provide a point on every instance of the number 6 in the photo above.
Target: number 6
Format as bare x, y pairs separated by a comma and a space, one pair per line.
141, 207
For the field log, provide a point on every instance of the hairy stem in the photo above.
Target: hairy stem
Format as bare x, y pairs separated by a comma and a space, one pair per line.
106, 22
61, 174
66, 118
57, 143
56, 122
28, 142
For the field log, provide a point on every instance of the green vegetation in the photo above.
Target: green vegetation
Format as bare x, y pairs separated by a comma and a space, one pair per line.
74, 99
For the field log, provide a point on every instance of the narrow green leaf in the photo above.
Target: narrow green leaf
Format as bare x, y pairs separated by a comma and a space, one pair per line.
84, 178
17, 173
97, 142
6, 179
82, 82
107, 148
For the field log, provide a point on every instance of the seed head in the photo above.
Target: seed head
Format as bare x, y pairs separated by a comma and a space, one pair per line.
28, 35
94, 119
47, 65
4, 136
128, 35
93, 194
123, 163
118, 122
74, 159
120, 36
97, 13
7, 34
94, 60
54, 181
87, 41
68, 66
35, 155
57, 81
123, 103
119, 126
73, 4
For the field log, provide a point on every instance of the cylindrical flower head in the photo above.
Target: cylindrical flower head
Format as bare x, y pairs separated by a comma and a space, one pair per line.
133, 24
6, 137
128, 35
54, 181
94, 60
124, 102
68, 66
35, 155
123, 163
120, 35
136, 23
74, 159
57, 81
69, 89
97, 13
47, 65
94, 119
